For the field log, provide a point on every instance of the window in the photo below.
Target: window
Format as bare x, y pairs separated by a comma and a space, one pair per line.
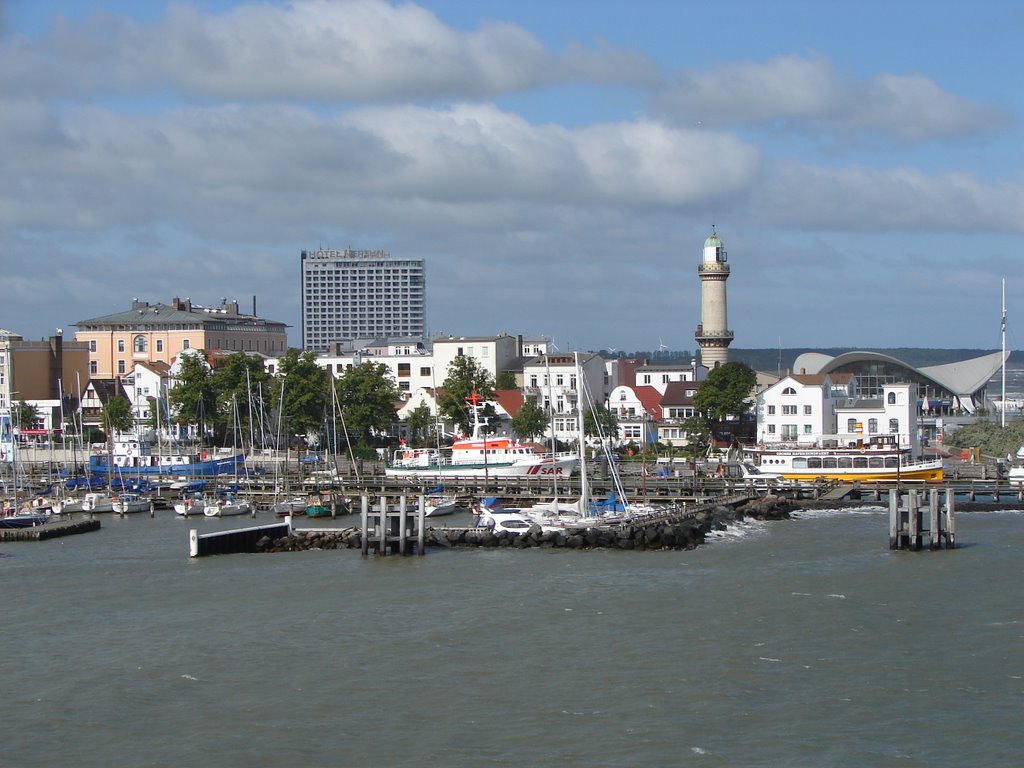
93, 367
851, 425
404, 370
807, 429
894, 425
120, 366
789, 391
140, 344
533, 381
771, 429
184, 344
92, 345
771, 410
159, 345
891, 399
120, 345
425, 370
872, 426
807, 410
789, 410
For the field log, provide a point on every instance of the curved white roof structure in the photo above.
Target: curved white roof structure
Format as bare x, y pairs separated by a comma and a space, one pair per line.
963, 382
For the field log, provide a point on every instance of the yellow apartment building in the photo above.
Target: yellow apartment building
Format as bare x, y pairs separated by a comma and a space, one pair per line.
158, 333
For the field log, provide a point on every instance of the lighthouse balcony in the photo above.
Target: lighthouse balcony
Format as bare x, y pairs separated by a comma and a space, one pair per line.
702, 334
712, 267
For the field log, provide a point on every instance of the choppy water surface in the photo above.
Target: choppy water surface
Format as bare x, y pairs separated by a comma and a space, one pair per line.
799, 643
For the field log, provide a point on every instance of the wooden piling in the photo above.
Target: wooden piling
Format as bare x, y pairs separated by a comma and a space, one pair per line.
906, 522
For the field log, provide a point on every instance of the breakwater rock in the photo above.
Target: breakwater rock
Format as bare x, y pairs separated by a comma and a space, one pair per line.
684, 533
769, 507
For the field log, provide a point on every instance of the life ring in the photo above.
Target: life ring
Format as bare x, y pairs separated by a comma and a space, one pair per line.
203, 455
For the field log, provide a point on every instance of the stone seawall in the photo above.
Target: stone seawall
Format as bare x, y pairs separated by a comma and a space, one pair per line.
687, 533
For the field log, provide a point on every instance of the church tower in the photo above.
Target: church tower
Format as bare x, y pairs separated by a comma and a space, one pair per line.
713, 334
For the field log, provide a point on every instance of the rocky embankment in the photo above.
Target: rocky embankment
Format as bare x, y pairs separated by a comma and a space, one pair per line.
685, 533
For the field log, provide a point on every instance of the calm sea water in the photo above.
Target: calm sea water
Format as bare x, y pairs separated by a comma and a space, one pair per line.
798, 643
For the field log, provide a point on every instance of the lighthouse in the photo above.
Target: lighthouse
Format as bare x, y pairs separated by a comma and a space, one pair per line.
713, 335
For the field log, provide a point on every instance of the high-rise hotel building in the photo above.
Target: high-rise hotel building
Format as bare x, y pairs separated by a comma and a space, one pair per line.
360, 295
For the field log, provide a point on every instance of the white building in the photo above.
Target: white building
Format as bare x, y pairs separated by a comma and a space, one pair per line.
353, 294
492, 353
802, 407
147, 386
660, 376
809, 409
410, 361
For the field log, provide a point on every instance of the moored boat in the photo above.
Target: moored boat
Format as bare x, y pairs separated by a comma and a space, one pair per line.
133, 458
480, 455
878, 460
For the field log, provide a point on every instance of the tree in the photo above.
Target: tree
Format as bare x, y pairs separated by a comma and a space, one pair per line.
531, 420
368, 394
600, 417
24, 415
725, 392
419, 424
235, 379
506, 380
117, 415
306, 387
193, 399
465, 376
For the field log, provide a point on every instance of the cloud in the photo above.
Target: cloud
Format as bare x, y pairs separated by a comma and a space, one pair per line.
311, 51
859, 199
807, 95
213, 167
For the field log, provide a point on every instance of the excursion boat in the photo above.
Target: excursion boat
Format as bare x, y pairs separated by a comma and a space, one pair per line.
880, 459
132, 458
479, 456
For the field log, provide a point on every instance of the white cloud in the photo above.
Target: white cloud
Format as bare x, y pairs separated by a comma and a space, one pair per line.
315, 51
807, 95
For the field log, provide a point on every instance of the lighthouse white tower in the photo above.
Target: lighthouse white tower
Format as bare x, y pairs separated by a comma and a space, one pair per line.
713, 334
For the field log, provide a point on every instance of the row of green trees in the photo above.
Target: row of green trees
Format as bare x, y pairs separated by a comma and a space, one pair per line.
304, 399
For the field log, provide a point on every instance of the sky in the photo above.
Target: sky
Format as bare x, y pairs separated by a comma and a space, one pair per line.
558, 165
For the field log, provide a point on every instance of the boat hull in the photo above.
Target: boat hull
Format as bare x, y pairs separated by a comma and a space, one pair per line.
547, 468
933, 474
205, 468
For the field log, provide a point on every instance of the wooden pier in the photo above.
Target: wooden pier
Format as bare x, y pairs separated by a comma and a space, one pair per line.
907, 514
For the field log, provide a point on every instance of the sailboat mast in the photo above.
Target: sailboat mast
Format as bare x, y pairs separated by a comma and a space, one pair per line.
581, 426
1002, 410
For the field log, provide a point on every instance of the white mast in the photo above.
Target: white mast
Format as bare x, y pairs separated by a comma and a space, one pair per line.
1002, 410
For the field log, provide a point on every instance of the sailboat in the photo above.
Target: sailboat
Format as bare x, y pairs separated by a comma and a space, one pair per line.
13, 515
230, 503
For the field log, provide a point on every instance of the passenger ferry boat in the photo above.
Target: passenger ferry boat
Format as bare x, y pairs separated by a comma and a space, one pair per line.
880, 459
479, 456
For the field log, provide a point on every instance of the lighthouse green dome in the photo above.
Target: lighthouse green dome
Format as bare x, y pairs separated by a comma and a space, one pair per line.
713, 241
